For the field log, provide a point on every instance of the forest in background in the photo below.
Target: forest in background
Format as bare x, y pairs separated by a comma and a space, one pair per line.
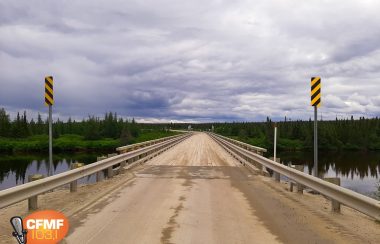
93, 133
21, 134
345, 134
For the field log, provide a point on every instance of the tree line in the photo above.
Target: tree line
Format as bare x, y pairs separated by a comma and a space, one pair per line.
338, 134
350, 133
92, 128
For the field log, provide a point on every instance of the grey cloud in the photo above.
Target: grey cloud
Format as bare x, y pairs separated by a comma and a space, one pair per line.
190, 61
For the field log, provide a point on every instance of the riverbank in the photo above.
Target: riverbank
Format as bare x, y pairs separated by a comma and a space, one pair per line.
73, 143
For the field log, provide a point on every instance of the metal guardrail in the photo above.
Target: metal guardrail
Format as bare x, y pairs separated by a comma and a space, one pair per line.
359, 202
247, 146
135, 146
22, 192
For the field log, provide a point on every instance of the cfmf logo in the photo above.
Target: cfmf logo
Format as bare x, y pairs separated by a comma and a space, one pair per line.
42, 227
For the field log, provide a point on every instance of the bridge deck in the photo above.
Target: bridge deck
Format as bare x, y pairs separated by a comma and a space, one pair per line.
197, 193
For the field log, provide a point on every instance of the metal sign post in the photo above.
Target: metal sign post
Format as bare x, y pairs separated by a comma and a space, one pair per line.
49, 101
50, 142
316, 102
315, 141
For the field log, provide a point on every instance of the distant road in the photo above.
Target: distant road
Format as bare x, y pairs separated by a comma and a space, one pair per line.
197, 193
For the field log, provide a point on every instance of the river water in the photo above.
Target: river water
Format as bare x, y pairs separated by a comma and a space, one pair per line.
14, 169
359, 171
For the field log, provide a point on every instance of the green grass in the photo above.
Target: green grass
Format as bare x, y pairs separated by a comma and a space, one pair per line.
147, 135
68, 142
283, 143
78, 143
34, 143
256, 141
290, 144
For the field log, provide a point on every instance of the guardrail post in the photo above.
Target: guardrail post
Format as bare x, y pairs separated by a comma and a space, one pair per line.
276, 175
262, 170
99, 174
335, 205
109, 172
299, 186
291, 186
33, 201
74, 184
122, 165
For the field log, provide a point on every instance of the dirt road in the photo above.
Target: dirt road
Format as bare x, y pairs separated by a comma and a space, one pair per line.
197, 193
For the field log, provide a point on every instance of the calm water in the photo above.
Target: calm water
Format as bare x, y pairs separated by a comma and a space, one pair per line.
14, 169
358, 171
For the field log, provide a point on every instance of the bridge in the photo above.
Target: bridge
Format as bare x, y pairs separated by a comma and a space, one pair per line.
196, 188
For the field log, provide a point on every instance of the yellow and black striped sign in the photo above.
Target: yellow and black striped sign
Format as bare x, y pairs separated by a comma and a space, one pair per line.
49, 99
316, 91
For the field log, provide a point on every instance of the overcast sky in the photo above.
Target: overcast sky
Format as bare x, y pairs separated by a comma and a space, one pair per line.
191, 60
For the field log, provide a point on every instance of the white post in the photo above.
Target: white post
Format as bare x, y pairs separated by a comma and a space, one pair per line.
276, 174
275, 143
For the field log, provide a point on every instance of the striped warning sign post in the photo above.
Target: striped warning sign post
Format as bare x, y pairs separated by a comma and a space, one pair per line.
316, 91
316, 102
49, 94
49, 101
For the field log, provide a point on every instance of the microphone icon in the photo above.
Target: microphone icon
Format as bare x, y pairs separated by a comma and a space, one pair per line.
19, 232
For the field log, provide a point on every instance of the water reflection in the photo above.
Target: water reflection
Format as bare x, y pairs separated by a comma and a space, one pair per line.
347, 164
359, 171
14, 170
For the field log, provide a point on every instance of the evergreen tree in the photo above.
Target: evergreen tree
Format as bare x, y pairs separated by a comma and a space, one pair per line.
5, 123
92, 129
40, 126
126, 136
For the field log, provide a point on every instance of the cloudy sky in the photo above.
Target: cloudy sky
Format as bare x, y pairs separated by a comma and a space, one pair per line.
167, 60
